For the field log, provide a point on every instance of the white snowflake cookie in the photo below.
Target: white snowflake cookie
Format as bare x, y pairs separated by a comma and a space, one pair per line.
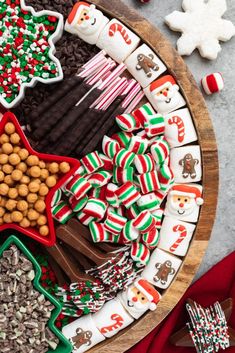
202, 26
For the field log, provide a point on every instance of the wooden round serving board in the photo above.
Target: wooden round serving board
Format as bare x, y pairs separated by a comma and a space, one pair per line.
175, 64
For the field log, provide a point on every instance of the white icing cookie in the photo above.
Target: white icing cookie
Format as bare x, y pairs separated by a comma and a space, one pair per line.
164, 95
139, 297
112, 318
202, 26
179, 128
83, 334
145, 65
86, 22
186, 164
184, 201
117, 40
175, 236
161, 269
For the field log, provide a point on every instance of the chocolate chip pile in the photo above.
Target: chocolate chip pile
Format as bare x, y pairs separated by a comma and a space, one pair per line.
70, 50
25, 181
24, 312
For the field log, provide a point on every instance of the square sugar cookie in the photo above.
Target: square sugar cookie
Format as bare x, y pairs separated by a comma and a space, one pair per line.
184, 201
144, 65
164, 95
186, 164
175, 236
179, 128
161, 269
83, 334
112, 318
117, 40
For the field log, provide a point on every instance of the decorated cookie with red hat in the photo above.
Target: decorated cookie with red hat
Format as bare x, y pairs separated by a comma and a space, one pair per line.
139, 297
164, 95
117, 40
86, 22
184, 201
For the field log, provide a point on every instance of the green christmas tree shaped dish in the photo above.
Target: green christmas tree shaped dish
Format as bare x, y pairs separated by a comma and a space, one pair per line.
14, 253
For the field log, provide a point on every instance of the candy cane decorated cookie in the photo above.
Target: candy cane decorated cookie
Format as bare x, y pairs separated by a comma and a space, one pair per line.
184, 201
175, 236
179, 128
139, 297
86, 22
112, 318
161, 269
186, 164
83, 334
164, 95
145, 65
117, 40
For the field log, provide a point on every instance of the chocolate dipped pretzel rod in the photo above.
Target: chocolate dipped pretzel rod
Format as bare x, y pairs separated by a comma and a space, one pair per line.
93, 137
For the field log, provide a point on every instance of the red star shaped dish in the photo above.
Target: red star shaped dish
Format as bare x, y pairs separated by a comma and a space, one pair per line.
33, 232
182, 337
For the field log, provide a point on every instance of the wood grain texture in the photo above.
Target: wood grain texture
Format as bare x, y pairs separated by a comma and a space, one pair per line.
177, 67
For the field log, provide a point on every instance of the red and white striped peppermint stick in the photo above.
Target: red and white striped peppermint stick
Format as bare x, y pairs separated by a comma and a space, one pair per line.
183, 233
132, 95
101, 53
105, 92
121, 91
93, 67
117, 72
108, 99
134, 103
102, 72
131, 84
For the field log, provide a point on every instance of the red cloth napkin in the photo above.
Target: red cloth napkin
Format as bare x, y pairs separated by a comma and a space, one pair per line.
216, 285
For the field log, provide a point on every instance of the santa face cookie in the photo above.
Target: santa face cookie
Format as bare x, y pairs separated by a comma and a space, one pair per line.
86, 22
184, 201
83, 334
161, 269
118, 41
112, 318
139, 297
164, 95
186, 164
179, 128
175, 236
145, 65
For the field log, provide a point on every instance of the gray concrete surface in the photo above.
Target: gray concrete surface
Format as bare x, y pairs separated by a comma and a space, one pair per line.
222, 109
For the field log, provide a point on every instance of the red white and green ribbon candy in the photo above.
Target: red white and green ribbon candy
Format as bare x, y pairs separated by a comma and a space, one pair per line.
140, 253
123, 138
151, 238
95, 208
144, 222
148, 202
121, 176
149, 182
123, 158
144, 163
99, 179
128, 194
114, 223
92, 162
62, 212
138, 145
78, 186
110, 147
127, 122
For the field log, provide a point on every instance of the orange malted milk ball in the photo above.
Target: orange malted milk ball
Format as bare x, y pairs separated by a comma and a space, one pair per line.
10, 128
3, 158
33, 215
23, 154
35, 171
44, 174
4, 138
14, 159
16, 175
16, 216
7, 148
4, 188
64, 167
7, 218
7, 169
42, 220
51, 181
32, 160
44, 231
16, 149
33, 186
22, 205
2, 175
25, 223
11, 205
43, 190
25, 179
32, 197
40, 206
15, 138
23, 190
22, 167
8, 180
13, 193
54, 168
2, 211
